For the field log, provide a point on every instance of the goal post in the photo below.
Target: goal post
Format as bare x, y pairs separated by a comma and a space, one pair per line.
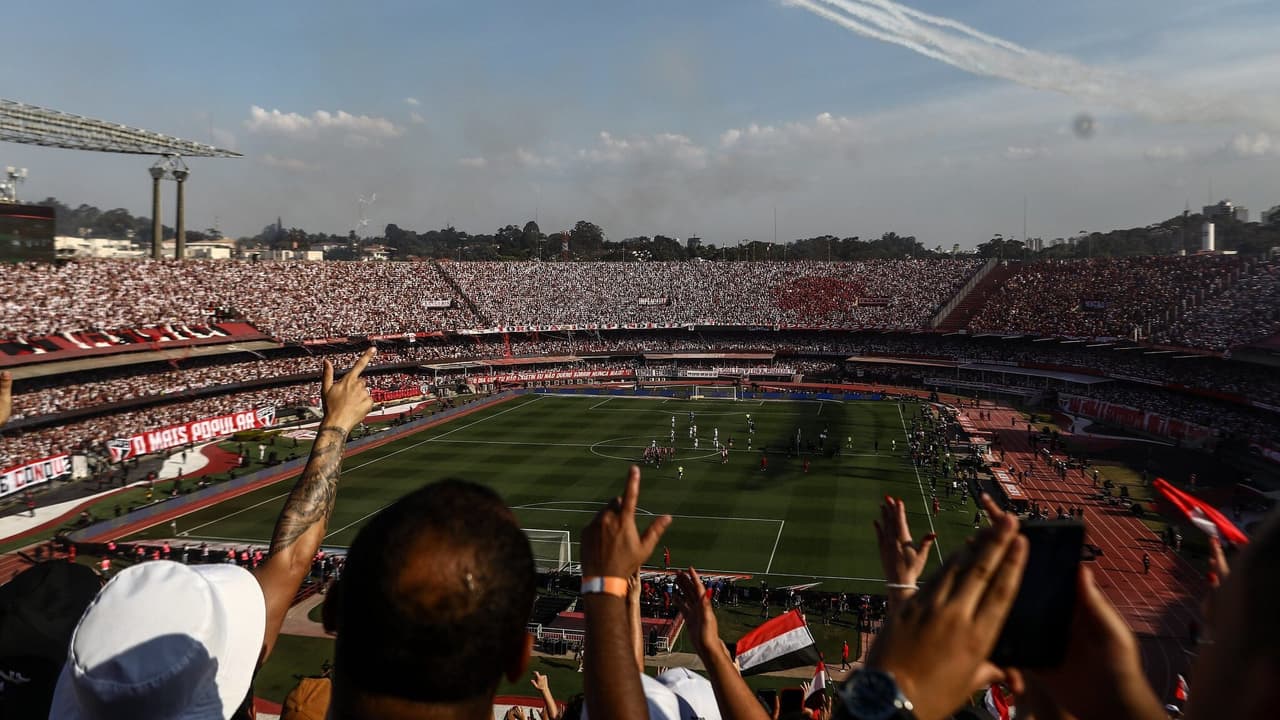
551, 549
714, 392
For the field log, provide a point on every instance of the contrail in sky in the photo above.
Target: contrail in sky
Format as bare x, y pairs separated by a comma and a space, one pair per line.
973, 51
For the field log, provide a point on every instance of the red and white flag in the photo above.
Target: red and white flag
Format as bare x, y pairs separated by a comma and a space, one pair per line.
1201, 514
818, 687
999, 703
779, 644
1182, 691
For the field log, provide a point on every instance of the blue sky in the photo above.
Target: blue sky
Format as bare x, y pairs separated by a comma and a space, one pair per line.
665, 117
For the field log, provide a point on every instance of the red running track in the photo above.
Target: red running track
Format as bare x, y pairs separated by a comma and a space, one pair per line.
1159, 606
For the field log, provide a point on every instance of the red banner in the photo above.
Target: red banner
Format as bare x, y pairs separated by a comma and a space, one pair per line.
1140, 420
196, 431
21, 477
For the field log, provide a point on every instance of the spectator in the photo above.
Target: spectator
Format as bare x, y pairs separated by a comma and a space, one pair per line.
432, 607
1234, 676
164, 639
612, 551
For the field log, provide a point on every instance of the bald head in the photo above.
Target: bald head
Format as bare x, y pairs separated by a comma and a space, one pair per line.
434, 598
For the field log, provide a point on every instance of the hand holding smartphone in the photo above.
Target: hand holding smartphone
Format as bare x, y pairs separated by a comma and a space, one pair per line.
1036, 632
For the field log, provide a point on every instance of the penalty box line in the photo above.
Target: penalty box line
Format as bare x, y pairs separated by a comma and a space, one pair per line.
720, 518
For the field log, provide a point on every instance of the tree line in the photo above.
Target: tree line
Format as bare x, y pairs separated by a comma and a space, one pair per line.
587, 241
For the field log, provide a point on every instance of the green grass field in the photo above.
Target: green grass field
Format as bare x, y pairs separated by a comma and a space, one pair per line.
556, 459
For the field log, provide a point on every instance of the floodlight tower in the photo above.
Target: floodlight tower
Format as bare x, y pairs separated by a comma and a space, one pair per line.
180, 175
16, 176
158, 173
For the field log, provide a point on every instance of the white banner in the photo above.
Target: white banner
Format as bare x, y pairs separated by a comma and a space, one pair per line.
21, 477
549, 375
196, 431
437, 304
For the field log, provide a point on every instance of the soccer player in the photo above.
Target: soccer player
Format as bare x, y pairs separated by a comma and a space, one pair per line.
806, 466
715, 435
695, 442
764, 462
666, 557
724, 454
680, 472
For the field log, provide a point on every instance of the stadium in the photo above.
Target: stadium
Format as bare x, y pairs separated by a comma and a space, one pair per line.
832, 434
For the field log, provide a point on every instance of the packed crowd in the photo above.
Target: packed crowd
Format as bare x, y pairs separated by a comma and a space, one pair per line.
90, 435
1200, 301
1247, 311
294, 300
746, 293
1103, 297
49, 396
431, 610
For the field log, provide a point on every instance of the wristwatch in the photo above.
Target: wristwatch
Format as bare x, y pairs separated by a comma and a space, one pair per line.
874, 695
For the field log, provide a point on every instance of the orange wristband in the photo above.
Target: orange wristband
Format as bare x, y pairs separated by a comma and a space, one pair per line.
615, 586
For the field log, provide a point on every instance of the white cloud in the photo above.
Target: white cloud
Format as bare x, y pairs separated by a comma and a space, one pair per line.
309, 126
473, 162
1018, 152
1255, 145
825, 129
679, 150
286, 163
416, 118
412, 101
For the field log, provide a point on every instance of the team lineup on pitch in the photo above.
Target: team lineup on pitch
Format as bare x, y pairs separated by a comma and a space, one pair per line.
807, 517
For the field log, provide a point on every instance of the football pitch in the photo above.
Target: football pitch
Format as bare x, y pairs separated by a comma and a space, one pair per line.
555, 459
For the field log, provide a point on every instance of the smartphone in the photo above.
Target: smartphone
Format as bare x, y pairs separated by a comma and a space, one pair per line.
790, 700
1036, 632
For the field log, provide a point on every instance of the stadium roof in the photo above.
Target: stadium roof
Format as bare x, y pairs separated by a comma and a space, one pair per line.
32, 125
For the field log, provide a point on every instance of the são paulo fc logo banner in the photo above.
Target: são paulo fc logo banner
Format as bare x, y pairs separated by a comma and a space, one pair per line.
196, 431
21, 477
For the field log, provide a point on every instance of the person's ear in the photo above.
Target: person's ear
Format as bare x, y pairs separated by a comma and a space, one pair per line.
331, 610
521, 664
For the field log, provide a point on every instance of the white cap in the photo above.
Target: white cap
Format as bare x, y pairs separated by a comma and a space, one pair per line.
667, 700
697, 697
165, 640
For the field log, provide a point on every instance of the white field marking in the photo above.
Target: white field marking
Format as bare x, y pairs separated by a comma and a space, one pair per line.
424, 442
689, 517
609, 444
775, 547
820, 404
928, 512
237, 541
593, 407
792, 575
361, 465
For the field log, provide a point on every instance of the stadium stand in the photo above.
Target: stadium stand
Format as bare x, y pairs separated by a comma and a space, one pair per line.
1246, 312
882, 294
1109, 297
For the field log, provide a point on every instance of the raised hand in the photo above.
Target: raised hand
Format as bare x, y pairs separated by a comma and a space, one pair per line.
1103, 656
346, 401
612, 546
936, 643
902, 559
539, 682
698, 614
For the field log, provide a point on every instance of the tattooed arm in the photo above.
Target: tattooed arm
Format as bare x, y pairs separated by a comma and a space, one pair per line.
6, 396
302, 523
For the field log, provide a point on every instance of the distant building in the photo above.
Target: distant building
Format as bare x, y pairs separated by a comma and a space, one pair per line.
1272, 216
71, 246
1226, 209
